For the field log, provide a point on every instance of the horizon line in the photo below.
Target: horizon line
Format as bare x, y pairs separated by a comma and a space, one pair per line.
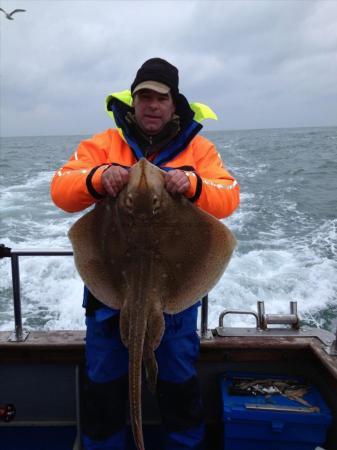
207, 131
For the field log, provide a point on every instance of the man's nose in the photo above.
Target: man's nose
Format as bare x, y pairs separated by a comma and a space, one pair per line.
153, 103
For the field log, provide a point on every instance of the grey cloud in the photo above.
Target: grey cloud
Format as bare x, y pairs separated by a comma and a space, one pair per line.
258, 63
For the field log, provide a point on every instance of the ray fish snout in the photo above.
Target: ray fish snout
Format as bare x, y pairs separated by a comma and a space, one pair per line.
143, 204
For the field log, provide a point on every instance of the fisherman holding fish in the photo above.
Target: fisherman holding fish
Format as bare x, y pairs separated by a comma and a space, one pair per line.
154, 121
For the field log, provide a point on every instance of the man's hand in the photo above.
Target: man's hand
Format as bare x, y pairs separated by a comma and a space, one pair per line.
176, 181
114, 179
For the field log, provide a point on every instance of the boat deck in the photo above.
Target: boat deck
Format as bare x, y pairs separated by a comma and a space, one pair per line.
41, 377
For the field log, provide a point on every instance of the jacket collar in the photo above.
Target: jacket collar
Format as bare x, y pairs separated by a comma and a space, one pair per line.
119, 105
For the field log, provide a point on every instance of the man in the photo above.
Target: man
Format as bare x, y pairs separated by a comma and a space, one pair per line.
154, 121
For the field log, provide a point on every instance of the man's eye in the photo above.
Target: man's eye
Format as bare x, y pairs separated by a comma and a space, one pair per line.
143, 95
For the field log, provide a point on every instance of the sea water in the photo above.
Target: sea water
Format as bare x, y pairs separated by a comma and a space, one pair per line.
286, 228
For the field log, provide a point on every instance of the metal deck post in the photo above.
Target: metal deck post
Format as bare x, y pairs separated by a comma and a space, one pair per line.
19, 334
205, 332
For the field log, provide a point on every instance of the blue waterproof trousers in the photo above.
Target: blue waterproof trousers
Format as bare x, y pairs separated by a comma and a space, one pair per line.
106, 387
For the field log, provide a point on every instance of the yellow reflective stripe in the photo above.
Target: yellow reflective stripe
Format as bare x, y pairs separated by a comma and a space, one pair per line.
220, 186
61, 172
202, 112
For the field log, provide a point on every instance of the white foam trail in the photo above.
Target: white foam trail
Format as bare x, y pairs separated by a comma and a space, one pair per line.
283, 254
281, 271
278, 276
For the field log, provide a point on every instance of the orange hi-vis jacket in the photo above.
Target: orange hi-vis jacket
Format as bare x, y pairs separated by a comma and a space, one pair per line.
77, 185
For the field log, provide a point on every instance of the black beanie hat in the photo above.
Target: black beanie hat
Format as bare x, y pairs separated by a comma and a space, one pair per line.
157, 69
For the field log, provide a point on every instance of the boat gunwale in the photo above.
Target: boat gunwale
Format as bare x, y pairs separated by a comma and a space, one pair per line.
67, 346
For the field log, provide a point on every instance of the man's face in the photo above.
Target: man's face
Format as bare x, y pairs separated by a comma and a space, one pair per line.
153, 110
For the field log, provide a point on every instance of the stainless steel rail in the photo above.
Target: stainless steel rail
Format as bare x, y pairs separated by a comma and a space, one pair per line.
19, 333
238, 312
262, 319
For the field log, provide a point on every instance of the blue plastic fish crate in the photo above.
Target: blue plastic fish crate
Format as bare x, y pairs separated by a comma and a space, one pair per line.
275, 422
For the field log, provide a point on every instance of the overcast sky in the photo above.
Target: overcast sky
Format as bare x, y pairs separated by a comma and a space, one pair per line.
258, 64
